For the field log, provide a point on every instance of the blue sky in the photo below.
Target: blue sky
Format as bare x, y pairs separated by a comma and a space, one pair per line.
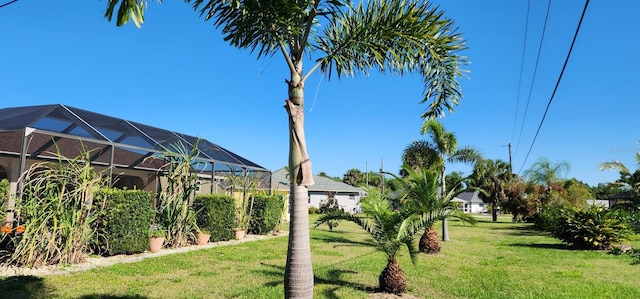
177, 73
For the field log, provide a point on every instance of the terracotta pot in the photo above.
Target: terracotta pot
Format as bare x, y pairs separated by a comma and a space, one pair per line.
239, 234
155, 243
202, 238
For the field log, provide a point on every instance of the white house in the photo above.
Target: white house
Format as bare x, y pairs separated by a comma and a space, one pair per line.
347, 196
470, 202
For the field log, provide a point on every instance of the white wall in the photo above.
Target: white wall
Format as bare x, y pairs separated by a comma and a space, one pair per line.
345, 201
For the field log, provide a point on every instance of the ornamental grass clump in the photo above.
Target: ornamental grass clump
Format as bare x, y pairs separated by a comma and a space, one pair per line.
592, 228
56, 205
175, 202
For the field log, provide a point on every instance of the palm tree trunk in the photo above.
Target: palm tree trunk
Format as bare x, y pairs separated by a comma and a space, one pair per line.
392, 279
298, 274
429, 242
445, 230
443, 192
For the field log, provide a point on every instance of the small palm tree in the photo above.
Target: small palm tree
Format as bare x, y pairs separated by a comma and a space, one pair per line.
421, 195
392, 229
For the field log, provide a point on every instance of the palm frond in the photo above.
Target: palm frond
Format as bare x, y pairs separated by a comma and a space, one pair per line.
397, 37
615, 165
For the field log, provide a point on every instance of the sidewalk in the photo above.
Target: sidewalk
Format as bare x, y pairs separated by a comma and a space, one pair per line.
95, 262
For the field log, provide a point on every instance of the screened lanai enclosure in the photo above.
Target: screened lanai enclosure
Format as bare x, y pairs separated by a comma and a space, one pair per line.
128, 153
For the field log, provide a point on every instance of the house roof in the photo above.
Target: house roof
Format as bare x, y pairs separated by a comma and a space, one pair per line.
280, 181
57, 128
469, 196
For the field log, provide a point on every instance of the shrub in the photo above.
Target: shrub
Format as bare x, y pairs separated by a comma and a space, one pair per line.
328, 207
4, 193
122, 227
313, 210
591, 228
216, 214
266, 214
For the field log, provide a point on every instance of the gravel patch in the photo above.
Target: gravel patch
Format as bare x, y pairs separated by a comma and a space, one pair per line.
95, 262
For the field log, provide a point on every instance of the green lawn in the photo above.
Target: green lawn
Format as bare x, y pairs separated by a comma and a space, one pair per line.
490, 260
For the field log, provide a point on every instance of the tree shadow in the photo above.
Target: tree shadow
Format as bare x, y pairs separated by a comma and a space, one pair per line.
521, 230
556, 246
333, 278
107, 296
339, 239
26, 286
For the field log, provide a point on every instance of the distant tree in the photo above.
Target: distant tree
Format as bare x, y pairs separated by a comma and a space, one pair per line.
419, 154
606, 190
546, 173
518, 202
352, 177
576, 193
444, 146
629, 183
492, 177
325, 175
456, 182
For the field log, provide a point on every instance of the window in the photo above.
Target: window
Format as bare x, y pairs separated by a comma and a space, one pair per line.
352, 197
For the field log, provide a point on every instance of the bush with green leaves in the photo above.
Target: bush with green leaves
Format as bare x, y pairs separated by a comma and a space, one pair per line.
4, 193
123, 225
592, 228
216, 214
328, 207
266, 213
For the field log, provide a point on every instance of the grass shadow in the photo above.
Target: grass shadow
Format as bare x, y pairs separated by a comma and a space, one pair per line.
27, 286
520, 230
334, 278
556, 246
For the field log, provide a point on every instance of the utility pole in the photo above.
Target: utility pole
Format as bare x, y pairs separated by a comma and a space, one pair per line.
510, 160
366, 172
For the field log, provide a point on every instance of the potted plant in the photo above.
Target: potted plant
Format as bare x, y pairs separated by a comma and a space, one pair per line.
242, 222
156, 237
202, 236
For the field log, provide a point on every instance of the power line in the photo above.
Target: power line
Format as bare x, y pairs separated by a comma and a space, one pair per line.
524, 48
575, 36
10, 2
535, 71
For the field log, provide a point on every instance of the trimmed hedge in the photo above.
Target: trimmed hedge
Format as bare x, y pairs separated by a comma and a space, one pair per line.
266, 213
216, 214
123, 224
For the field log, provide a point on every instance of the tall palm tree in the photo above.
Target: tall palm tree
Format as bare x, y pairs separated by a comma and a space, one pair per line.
628, 180
546, 173
491, 177
624, 171
392, 229
420, 154
420, 190
446, 147
345, 38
